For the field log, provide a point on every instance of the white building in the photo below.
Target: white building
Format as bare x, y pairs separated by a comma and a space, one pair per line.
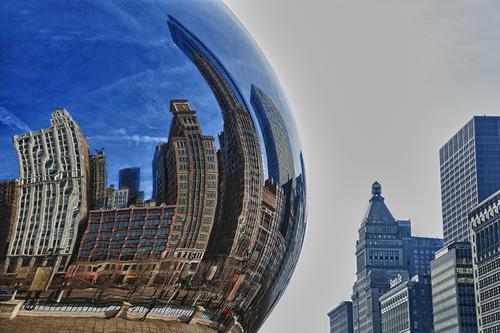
117, 198
53, 185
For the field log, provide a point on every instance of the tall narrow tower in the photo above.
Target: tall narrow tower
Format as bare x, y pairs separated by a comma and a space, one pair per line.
98, 178
191, 182
380, 256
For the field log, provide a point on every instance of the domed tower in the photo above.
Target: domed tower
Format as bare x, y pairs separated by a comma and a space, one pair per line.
381, 254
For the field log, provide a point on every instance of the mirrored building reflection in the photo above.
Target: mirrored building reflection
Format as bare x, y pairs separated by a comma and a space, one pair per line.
218, 221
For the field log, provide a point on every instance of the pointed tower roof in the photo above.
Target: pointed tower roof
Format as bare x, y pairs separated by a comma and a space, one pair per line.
377, 210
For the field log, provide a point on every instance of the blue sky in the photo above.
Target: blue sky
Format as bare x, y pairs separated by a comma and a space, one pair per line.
114, 67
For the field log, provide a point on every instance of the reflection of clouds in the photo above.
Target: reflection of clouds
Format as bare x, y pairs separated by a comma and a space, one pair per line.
59, 38
9, 119
122, 136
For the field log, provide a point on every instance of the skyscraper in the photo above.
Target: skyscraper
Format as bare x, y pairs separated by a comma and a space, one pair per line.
278, 148
235, 226
191, 182
53, 189
470, 172
380, 256
98, 179
131, 178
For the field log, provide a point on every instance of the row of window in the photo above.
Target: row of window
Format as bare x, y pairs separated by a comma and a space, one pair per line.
127, 216
489, 280
486, 268
491, 318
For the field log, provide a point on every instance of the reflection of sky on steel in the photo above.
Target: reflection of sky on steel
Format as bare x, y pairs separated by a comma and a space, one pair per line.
97, 74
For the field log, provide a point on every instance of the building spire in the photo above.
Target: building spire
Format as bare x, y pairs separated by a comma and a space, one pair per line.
376, 189
377, 210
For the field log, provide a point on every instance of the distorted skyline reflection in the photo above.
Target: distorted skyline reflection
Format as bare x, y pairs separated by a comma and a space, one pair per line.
189, 109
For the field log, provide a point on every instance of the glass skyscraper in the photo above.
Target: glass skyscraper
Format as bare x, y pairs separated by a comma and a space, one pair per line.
272, 124
130, 177
470, 172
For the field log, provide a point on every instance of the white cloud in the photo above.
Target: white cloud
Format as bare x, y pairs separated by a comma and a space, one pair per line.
9, 119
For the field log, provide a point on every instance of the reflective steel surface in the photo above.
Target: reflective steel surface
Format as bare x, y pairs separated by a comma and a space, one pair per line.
178, 96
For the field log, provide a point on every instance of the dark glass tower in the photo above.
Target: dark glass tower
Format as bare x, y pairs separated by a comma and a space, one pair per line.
276, 140
130, 177
470, 172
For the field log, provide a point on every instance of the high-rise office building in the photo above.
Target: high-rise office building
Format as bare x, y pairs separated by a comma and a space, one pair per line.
53, 190
235, 227
485, 223
191, 182
278, 147
381, 254
470, 172
98, 180
8, 202
453, 289
131, 178
341, 318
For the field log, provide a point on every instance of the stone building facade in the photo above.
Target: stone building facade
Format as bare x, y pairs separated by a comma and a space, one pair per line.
53, 191
485, 223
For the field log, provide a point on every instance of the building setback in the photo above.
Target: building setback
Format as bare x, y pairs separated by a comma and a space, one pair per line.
341, 318
53, 190
407, 307
453, 289
470, 172
8, 202
485, 220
